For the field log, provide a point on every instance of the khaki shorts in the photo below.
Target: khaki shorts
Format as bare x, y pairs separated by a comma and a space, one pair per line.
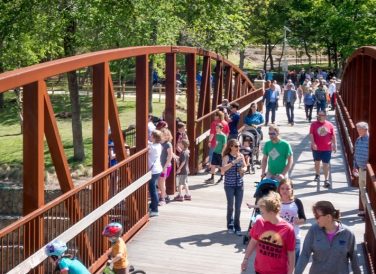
182, 179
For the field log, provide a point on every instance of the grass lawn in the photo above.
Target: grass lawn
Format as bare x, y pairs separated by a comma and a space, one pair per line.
11, 137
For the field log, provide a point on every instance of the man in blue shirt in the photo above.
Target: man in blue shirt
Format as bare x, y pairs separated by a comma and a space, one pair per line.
360, 162
233, 120
289, 98
271, 97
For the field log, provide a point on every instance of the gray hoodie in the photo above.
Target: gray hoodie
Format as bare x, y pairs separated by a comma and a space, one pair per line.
328, 258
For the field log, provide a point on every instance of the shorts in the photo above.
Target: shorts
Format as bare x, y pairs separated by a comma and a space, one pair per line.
167, 173
181, 180
323, 156
216, 159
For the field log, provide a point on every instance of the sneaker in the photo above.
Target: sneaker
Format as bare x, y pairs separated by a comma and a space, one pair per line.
326, 184
238, 233
230, 231
179, 198
167, 199
219, 180
153, 214
317, 177
361, 213
210, 181
188, 197
162, 203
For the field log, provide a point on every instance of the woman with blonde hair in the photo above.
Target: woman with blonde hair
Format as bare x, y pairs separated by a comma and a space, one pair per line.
331, 244
273, 239
292, 210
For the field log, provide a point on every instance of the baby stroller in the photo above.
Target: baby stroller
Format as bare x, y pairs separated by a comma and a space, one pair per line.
262, 189
253, 137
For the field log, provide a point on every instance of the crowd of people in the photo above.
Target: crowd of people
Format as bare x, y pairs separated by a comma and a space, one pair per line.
275, 236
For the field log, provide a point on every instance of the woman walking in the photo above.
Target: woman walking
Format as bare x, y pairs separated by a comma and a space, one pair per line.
233, 167
331, 244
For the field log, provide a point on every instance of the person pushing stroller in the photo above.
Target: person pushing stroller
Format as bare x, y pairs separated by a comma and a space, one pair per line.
277, 156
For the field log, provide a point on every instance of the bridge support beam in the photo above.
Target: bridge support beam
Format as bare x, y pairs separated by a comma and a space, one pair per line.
170, 112
33, 164
142, 97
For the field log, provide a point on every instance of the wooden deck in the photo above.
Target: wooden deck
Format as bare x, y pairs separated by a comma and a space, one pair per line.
191, 237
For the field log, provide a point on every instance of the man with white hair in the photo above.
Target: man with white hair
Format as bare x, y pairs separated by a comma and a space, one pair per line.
360, 162
332, 93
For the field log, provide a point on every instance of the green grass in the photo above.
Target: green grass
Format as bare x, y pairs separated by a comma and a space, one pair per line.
11, 137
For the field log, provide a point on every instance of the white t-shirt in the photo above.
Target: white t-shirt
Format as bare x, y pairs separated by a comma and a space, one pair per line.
332, 88
290, 211
154, 160
151, 128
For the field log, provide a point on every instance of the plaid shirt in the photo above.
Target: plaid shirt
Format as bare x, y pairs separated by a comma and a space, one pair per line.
361, 152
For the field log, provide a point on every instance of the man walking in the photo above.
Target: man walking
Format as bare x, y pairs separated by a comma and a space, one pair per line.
289, 98
323, 142
270, 98
233, 120
360, 162
277, 156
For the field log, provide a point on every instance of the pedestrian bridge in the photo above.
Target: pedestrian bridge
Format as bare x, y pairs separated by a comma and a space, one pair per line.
187, 237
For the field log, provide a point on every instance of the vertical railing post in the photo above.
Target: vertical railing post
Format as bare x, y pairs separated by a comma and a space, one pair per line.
142, 97
170, 112
33, 163
217, 94
100, 142
228, 83
190, 67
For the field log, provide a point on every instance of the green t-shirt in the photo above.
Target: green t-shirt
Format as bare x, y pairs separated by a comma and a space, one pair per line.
277, 155
221, 140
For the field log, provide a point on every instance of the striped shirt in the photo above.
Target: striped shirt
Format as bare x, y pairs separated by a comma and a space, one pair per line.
232, 176
361, 152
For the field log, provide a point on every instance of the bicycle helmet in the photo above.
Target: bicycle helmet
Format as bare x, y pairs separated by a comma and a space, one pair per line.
112, 230
56, 248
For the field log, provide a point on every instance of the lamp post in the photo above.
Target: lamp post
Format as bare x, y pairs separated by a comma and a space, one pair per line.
284, 61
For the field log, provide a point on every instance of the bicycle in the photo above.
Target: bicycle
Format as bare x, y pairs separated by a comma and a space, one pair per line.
108, 270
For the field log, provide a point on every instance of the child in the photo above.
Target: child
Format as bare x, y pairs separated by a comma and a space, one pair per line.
292, 211
309, 101
166, 157
119, 256
216, 161
180, 135
65, 263
183, 171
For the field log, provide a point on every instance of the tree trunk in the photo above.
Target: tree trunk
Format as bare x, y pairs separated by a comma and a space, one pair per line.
265, 54
329, 56
270, 55
280, 58
335, 56
241, 58
69, 50
2, 93
307, 52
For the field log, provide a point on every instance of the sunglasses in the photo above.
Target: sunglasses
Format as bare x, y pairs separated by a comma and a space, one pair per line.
272, 133
317, 216
235, 146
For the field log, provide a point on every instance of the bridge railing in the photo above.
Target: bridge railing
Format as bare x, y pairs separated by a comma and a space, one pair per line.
118, 194
356, 103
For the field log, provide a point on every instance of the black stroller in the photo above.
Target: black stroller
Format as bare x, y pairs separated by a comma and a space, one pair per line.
253, 137
262, 189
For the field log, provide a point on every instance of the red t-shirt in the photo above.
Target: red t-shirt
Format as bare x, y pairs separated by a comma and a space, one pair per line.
322, 135
273, 243
225, 130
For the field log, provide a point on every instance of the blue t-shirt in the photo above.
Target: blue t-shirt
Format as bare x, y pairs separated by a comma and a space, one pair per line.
269, 76
254, 119
73, 266
233, 125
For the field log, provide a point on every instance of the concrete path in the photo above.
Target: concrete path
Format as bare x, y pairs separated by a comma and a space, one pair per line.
190, 237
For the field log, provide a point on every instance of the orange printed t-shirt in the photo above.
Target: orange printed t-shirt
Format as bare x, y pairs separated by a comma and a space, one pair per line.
120, 247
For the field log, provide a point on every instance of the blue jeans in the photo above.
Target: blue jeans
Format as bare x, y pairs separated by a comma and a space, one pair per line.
211, 150
297, 250
153, 192
231, 193
270, 107
321, 106
290, 112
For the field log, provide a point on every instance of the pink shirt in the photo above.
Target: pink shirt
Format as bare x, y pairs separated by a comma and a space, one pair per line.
273, 243
225, 130
323, 134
